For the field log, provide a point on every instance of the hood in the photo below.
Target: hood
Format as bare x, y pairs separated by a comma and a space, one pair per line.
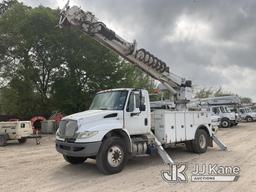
90, 114
98, 120
252, 114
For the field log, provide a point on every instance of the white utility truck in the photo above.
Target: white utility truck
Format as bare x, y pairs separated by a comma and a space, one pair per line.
228, 118
247, 114
16, 130
118, 125
221, 106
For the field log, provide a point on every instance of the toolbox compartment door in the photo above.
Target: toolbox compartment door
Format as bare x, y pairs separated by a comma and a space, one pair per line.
190, 126
180, 126
170, 127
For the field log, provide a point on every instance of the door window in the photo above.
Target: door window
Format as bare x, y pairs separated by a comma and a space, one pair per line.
130, 105
138, 102
215, 110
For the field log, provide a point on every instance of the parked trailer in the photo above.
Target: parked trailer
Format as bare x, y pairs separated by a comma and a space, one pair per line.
16, 130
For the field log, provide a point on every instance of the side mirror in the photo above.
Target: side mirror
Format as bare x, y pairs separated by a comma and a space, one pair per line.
142, 107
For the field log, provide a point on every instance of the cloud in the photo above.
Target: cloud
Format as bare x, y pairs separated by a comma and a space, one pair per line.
210, 42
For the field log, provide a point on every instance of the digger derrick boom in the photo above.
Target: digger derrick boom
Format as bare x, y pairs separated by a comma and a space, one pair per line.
147, 62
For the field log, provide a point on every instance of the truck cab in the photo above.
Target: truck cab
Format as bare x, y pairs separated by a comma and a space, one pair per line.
247, 114
228, 118
113, 118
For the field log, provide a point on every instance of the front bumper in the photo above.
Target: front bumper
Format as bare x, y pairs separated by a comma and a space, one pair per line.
78, 149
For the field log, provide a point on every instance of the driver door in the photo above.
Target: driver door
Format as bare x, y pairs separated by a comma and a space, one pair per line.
136, 122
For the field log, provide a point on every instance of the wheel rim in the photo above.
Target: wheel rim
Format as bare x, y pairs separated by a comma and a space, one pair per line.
115, 156
202, 141
224, 123
249, 119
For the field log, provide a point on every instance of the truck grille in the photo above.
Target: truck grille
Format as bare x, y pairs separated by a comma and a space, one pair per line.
68, 128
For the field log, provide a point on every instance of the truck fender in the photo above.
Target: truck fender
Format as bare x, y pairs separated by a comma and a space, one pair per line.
248, 116
225, 118
122, 133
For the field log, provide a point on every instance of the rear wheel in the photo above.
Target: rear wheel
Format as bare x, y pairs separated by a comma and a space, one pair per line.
200, 143
22, 140
3, 140
112, 156
74, 160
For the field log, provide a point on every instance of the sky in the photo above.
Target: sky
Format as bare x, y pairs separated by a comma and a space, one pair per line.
211, 42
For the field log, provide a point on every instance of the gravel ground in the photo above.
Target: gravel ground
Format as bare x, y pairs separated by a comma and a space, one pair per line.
36, 168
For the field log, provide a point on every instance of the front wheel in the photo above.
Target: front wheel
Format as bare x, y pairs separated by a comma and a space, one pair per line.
22, 140
249, 119
74, 160
112, 156
200, 143
225, 123
3, 140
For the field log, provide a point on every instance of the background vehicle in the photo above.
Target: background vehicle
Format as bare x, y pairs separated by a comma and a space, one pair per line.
227, 118
15, 130
247, 114
220, 106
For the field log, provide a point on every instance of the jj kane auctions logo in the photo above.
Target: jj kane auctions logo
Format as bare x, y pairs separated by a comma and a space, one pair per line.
201, 173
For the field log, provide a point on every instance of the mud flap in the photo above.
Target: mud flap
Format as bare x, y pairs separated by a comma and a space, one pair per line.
209, 142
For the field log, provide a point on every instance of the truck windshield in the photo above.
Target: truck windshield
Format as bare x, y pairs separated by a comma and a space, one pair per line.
223, 110
111, 100
248, 110
227, 110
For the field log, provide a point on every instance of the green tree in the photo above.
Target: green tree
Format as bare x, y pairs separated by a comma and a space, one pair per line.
246, 100
5, 5
220, 92
44, 68
210, 92
204, 93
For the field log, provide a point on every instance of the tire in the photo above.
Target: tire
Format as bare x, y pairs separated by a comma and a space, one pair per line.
112, 156
189, 146
225, 123
74, 160
249, 119
3, 140
22, 140
200, 143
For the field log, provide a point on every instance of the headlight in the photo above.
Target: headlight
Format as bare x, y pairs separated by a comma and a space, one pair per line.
58, 132
86, 134
58, 135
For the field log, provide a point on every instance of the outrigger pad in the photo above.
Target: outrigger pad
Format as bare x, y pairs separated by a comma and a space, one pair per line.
163, 154
221, 145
